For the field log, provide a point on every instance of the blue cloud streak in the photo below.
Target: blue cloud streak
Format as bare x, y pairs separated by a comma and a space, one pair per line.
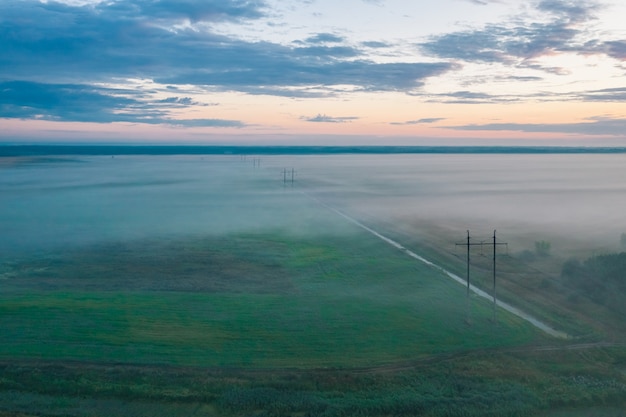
84, 103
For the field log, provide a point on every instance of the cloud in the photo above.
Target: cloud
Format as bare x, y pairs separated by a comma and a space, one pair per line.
375, 44
614, 49
471, 97
85, 103
520, 78
325, 38
327, 52
518, 43
291, 92
68, 102
118, 40
58, 55
596, 126
479, 2
617, 95
366, 75
192, 10
182, 102
322, 118
420, 121
568, 10
63, 54
204, 122
607, 94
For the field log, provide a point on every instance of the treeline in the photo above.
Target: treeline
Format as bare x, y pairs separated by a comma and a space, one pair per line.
12, 150
601, 278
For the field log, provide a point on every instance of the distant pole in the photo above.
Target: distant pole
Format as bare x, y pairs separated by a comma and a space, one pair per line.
292, 174
284, 176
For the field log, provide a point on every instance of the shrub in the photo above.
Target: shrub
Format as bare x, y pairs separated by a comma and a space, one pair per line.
601, 278
542, 248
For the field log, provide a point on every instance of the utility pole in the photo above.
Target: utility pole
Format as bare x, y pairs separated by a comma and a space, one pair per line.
494, 273
468, 244
293, 174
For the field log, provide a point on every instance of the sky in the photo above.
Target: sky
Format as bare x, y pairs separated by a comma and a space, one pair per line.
370, 72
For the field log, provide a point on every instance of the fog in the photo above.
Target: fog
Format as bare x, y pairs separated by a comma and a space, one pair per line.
576, 202
54, 203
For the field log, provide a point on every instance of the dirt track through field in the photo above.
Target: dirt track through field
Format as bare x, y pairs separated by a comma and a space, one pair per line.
508, 307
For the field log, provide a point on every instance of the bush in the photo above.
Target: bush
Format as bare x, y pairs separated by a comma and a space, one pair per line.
601, 278
542, 248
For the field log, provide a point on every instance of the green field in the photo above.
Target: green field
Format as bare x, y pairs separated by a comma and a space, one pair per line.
266, 300
264, 303
274, 324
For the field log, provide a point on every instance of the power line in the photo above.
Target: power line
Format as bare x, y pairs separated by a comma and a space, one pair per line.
286, 175
469, 244
495, 244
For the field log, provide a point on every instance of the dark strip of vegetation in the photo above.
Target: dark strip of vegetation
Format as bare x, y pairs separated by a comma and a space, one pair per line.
423, 397
601, 278
512, 384
83, 149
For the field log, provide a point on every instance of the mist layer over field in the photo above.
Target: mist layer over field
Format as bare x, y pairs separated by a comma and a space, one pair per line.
576, 202
215, 261
57, 202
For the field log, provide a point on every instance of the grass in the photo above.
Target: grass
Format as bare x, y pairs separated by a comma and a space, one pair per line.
282, 302
533, 285
275, 324
501, 383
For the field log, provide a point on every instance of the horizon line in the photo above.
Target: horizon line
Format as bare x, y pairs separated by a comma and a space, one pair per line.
25, 150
